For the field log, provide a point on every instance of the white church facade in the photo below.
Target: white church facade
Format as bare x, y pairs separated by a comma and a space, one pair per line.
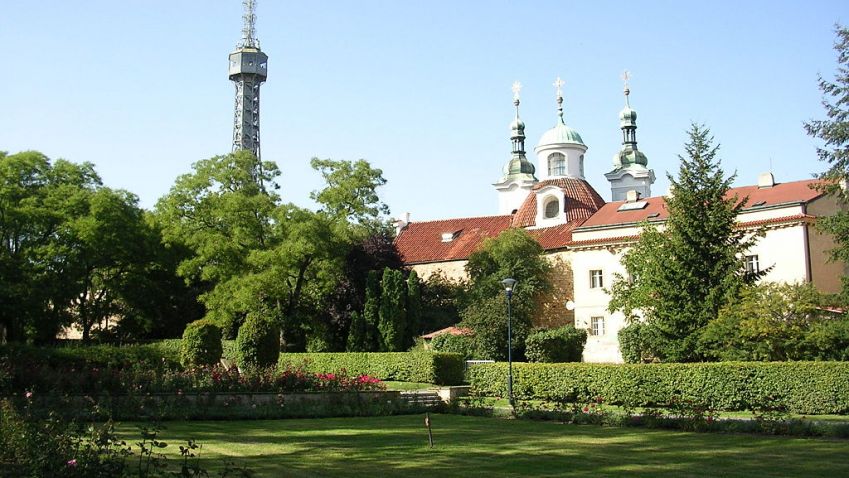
586, 237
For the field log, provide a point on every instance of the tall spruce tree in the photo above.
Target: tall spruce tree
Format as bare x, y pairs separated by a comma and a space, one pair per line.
414, 308
834, 133
392, 313
681, 276
371, 311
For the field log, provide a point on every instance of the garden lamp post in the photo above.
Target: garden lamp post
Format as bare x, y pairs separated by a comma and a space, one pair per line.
509, 283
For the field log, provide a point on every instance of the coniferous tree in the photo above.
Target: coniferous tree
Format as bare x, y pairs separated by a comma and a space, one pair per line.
357, 334
414, 308
834, 133
683, 275
371, 311
392, 313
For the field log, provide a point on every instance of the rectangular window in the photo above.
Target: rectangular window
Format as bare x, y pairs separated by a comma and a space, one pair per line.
597, 326
752, 264
596, 279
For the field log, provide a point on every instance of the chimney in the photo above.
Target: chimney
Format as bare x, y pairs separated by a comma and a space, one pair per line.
766, 180
632, 196
401, 223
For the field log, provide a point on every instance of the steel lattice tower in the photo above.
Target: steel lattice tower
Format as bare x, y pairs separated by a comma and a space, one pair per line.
248, 70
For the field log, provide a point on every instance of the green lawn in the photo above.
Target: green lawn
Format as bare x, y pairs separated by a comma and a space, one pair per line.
488, 447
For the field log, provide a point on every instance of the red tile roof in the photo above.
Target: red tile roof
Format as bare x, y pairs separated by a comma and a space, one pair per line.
449, 330
783, 193
422, 241
582, 201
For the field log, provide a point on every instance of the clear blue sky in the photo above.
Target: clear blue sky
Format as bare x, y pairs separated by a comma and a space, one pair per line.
419, 89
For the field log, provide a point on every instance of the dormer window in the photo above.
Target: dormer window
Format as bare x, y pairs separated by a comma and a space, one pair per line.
450, 236
556, 164
552, 208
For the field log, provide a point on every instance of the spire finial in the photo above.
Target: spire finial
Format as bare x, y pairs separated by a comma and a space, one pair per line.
626, 75
517, 87
558, 83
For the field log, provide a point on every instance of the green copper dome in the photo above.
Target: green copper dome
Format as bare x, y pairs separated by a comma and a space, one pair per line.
518, 165
628, 157
560, 134
627, 117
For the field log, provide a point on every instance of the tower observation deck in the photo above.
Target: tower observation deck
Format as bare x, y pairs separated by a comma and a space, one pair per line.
248, 70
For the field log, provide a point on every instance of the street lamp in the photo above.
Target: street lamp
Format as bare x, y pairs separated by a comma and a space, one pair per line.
509, 283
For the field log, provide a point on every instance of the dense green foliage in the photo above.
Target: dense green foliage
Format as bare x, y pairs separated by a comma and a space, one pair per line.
680, 278
73, 251
442, 300
413, 327
797, 387
161, 354
488, 319
264, 256
775, 322
201, 344
464, 345
513, 253
636, 342
258, 342
440, 368
834, 134
563, 344
392, 321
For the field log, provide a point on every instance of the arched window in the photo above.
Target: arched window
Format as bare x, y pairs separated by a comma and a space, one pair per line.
552, 208
556, 164
581, 165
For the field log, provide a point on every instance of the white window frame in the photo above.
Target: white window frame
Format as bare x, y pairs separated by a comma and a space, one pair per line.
752, 262
596, 279
556, 164
597, 325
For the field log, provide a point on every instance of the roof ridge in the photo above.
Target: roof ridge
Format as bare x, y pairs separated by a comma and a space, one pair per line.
497, 216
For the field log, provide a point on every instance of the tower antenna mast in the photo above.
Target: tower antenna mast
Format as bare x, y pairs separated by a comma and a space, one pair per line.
248, 70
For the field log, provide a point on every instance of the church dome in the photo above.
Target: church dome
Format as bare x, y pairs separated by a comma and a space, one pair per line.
628, 157
518, 165
628, 117
517, 124
560, 134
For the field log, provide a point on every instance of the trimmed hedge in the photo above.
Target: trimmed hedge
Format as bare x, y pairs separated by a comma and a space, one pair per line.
258, 342
439, 368
201, 343
797, 387
154, 354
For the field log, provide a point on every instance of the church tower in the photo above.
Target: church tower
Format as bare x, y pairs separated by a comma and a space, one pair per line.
560, 152
630, 171
518, 178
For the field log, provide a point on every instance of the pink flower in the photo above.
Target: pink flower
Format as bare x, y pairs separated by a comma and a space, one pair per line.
72, 463
586, 409
28, 394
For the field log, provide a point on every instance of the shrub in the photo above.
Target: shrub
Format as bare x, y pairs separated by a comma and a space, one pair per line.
563, 344
439, 368
459, 344
799, 387
488, 319
201, 343
165, 353
258, 342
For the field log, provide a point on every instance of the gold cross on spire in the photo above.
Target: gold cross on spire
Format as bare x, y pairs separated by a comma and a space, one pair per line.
517, 87
626, 75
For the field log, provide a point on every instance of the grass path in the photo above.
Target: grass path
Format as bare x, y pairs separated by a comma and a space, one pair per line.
488, 447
